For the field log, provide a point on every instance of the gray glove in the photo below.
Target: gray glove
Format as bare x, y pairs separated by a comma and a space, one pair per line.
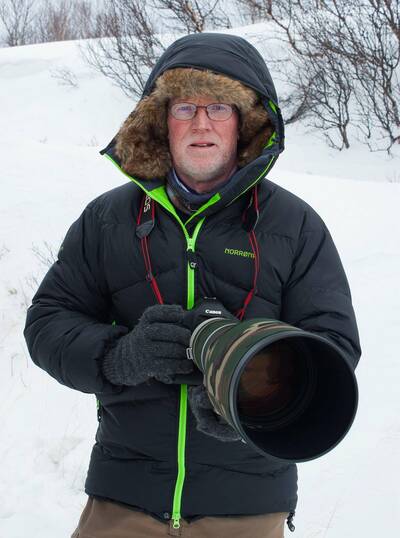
208, 421
155, 348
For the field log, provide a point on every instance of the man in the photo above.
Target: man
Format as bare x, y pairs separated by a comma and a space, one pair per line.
197, 218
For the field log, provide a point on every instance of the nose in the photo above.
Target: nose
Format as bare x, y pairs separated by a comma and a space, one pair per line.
201, 120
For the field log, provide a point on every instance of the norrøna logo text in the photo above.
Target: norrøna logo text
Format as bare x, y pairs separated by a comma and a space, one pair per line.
243, 253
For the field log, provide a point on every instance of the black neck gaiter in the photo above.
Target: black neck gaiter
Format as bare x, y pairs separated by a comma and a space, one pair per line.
185, 198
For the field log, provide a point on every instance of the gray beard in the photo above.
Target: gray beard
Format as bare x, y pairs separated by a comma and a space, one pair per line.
205, 176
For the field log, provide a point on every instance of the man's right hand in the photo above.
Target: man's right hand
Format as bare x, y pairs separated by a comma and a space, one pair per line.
155, 348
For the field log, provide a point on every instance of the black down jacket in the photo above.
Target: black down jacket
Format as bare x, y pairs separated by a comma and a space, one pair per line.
148, 453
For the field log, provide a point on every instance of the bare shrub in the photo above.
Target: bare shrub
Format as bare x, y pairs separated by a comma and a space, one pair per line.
134, 28
342, 66
33, 282
253, 11
46, 256
41, 21
85, 19
192, 16
45, 253
65, 77
377, 73
54, 22
133, 48
17, 17
4, 250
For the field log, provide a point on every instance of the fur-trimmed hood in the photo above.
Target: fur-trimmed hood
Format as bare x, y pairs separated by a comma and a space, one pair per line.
223, 66
142, 142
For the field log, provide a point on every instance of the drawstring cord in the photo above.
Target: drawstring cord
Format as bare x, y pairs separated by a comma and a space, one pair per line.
289, 522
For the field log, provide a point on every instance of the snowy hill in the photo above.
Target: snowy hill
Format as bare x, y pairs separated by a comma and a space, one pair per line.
50, 169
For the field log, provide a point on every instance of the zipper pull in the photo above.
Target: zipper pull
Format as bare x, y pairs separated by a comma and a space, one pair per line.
290, 522
174, 526
192, 259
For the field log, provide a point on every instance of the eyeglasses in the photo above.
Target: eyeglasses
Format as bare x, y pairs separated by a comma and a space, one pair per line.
215, 111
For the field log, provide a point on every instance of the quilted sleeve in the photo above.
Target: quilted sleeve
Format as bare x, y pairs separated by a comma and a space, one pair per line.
316, 296
67, 326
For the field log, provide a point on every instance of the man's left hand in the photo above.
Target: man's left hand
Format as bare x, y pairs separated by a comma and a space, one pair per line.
208, 422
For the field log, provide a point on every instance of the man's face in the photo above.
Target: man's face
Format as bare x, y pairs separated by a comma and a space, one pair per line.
203, 168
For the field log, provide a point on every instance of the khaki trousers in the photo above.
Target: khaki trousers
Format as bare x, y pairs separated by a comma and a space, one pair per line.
104, 519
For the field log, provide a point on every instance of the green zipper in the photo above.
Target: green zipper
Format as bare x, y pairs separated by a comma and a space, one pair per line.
159, 195
176, 509
191, 242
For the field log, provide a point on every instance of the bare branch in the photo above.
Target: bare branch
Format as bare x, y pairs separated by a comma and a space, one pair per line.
194, 16
17, 17
133, 48
345, 66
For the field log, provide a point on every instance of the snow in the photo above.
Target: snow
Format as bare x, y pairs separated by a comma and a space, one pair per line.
49, 143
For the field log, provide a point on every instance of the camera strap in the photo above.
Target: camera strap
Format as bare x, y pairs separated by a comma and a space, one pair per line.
249, 220
144, 225
146, 222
